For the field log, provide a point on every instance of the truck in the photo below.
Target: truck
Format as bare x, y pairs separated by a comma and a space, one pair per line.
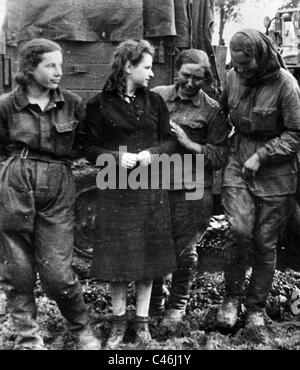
88, 31
284, 29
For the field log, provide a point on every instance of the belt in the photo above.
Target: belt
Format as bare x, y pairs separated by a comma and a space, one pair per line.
27, 153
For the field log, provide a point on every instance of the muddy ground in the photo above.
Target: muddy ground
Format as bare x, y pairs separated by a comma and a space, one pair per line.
198, 330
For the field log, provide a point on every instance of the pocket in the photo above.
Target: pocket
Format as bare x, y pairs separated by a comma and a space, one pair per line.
64, 136
264, 121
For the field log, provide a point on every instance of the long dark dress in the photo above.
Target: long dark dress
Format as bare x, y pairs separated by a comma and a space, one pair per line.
135, 240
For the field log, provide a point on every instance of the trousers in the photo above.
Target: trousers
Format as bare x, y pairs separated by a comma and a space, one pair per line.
36, 237
254, 226
189, 218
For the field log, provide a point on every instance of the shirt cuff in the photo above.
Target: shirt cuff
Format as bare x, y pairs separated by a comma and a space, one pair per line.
262, 154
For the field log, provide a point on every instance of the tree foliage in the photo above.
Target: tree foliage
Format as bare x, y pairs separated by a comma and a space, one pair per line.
228, 10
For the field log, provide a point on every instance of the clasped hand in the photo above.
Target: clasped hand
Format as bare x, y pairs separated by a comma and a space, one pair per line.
129, 160
251, 166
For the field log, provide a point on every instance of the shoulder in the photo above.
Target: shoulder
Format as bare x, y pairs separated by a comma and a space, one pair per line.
6, 101
71, 96
208, 101
165, 91
97, 100
288, 79
231, 76
7, 97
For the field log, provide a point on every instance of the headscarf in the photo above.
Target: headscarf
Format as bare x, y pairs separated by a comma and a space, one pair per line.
255, 43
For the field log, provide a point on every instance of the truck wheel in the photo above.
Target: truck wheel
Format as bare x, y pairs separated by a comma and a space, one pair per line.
85, 211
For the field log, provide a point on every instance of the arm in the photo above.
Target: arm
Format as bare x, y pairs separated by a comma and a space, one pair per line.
167, 141
78, 150
216, 148
93, 123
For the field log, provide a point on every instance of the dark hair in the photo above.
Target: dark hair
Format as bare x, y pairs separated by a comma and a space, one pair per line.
129, 50
30, 56
195, 56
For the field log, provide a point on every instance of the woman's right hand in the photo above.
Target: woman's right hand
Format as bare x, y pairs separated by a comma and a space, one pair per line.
128, 160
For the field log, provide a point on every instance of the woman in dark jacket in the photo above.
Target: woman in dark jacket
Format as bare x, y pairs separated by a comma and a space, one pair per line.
263, 103
129, 124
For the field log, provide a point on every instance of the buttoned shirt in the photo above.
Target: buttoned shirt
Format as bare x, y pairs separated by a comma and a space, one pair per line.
204, 123
51, 131
266, 119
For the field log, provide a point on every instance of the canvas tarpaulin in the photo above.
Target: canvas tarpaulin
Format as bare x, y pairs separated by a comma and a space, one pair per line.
77, 20
113, 20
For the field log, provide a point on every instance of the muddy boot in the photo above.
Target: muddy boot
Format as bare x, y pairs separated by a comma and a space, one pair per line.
119, 324
172, 318
28, 337
228, 313
143, 336
86, 340
255, 318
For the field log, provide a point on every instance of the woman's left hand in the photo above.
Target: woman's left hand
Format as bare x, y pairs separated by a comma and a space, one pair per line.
251, 166
144, 157
180, 134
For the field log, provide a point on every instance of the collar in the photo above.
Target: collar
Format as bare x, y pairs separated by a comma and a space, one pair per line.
196, 100
21, 101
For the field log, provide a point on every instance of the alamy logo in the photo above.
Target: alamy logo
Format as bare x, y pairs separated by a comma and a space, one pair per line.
165, 172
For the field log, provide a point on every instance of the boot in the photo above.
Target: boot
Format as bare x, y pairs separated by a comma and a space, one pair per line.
143, 336
255, 318
86, 340
228, 313
172, 317
158, 298
119, 324
27, 330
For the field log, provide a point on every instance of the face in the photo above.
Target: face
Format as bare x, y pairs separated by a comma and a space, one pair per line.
141, 74
190, 78
244, 65
48, 72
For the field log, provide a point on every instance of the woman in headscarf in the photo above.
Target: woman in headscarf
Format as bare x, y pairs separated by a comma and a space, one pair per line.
262, 100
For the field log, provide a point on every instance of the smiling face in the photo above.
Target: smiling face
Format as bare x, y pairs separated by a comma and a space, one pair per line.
244, 65
47, 74
140, 75
190, 78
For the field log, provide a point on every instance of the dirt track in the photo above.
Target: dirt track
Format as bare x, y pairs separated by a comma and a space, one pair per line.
198, 330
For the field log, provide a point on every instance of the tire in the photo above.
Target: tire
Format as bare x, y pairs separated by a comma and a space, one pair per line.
85, 211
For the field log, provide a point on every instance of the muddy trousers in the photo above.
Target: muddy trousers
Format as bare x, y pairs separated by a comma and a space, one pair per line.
254, 225
189, 220
36, 236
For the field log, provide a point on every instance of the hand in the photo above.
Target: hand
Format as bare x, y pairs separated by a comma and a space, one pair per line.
251, 166
180, 134
128, 160
144, 157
